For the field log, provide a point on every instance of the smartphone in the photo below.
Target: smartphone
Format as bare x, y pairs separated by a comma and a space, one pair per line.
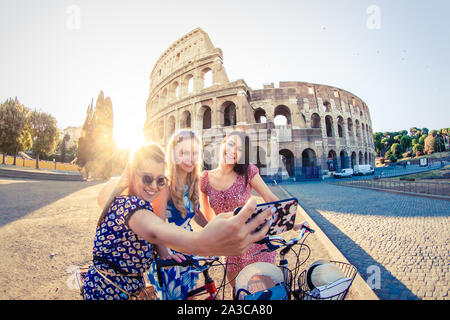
283, 217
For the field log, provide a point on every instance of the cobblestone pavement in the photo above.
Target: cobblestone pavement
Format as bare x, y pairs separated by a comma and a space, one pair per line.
400, 244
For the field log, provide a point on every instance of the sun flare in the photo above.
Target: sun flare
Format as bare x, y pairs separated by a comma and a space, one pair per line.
129, 136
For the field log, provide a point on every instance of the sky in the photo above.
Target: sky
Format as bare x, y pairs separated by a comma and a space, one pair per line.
57, 55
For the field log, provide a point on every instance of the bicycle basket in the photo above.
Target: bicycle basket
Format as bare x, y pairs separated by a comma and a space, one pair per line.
334, 289
260, 281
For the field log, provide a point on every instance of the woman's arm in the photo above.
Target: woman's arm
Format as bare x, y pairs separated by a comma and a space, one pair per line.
209, 213
107, 190
231, 235
262, 189
114, 182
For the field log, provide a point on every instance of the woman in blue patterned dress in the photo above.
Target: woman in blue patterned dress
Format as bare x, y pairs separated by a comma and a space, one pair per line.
128, 228
179, 204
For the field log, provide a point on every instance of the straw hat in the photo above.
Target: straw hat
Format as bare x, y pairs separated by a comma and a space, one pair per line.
322, 272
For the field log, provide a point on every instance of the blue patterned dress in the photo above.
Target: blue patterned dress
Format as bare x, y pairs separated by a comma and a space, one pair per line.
177, 281
115, 242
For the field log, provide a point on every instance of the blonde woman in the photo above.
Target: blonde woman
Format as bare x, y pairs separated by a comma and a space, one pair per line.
179, 204
128, 228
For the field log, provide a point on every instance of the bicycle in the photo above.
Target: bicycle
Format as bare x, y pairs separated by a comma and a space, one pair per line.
209, 286
265, 281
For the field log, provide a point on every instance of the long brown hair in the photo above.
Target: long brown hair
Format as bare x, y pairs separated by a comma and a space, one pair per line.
192, 178
241, 167
148, 152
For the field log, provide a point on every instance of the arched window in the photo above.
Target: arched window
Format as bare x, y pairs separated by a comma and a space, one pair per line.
260, 116
206, 120
163, 99
229, 114
358, 133
185, 119
340, 125
174, 90
326, 106
329, 126
315, 120
207, 78
171, 125
282, 116
189, 83
350, 127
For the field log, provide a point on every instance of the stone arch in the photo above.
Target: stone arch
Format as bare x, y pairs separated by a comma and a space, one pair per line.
206, 117
174, 90
260, 115
185, 121
357, 131
207, 76
282, 114
350, 127
315, 120
171, 125
309, 158
189, 84
340, 126
360, 158
163, 98
160, 129
229, 113
326, 106
353, 159
344, 159
288, 160
365, 158
329, 126
332, 161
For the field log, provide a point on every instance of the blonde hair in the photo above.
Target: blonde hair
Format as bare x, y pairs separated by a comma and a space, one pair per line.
192, 178
148, 152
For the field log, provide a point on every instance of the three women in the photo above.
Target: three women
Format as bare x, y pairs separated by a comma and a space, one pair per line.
131, 225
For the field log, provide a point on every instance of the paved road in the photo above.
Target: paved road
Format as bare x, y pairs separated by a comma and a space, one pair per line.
400, 244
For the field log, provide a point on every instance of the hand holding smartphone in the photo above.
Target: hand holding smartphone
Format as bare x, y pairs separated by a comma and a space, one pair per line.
283, 215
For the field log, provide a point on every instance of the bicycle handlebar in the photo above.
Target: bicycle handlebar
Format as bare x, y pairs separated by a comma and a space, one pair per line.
271, 240
190, 261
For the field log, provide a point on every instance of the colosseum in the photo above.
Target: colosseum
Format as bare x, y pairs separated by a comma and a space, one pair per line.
299, 130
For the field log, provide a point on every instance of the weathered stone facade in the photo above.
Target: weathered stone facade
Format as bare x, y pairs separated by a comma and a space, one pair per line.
323, 126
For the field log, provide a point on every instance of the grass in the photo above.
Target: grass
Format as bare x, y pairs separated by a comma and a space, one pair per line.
427, 174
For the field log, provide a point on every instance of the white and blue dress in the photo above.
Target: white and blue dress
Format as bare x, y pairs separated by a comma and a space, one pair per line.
177, 281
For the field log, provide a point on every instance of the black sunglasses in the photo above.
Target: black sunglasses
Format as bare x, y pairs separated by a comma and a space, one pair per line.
148, 179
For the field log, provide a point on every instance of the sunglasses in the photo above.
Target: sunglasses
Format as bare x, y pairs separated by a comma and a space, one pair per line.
148, 179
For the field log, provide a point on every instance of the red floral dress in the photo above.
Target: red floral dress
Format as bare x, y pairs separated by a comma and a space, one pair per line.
227, 201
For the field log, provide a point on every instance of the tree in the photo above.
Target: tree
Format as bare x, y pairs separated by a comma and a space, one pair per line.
44, 132
405, 141
396, 150
14, 135
429, 144
62, 146
422, 139
96, 147
377, 139
417, 147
